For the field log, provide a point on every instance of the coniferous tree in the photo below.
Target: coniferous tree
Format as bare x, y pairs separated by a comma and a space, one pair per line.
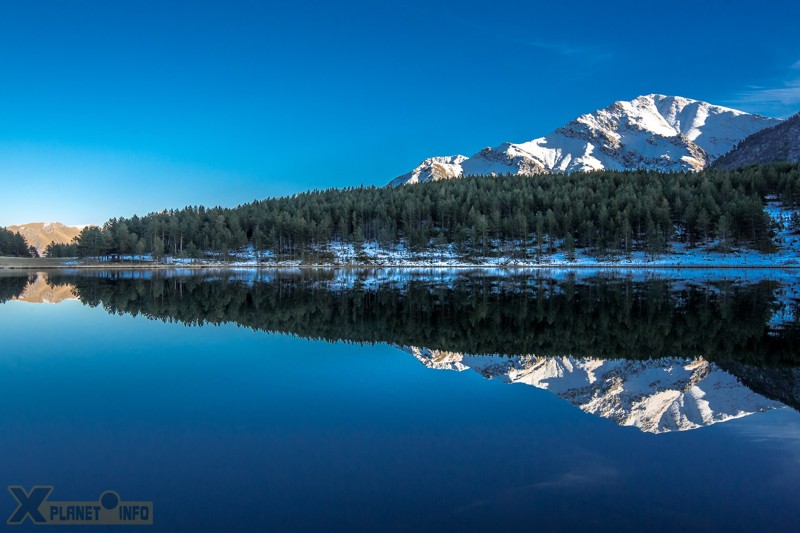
617, 212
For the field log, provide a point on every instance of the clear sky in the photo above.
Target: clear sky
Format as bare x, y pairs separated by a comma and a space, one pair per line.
111, 108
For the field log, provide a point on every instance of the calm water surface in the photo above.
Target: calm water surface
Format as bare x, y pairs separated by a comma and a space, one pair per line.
382, 400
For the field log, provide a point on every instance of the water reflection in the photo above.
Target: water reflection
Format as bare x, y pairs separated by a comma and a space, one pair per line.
38, 290
656, 395
657, 353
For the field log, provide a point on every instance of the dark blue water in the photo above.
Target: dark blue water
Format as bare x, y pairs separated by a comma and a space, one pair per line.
225, 428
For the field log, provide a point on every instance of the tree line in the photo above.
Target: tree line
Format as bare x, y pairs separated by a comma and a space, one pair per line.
13, 244
603, 316
11, 286
602, 212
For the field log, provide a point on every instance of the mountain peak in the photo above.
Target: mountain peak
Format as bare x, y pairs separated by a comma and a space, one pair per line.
433, 169
41, 234
653, 131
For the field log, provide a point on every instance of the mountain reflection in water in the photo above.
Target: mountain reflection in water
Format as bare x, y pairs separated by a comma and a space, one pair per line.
655, 395
657, 353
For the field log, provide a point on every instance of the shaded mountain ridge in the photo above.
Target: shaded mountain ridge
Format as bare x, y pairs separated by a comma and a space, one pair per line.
777, 144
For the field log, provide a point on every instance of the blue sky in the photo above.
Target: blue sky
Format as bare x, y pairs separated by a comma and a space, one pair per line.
115, 108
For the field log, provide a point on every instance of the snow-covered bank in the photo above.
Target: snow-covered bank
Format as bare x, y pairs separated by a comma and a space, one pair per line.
786, 254
374, 256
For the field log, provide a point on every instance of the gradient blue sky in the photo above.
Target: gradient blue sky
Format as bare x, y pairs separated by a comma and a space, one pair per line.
115, 108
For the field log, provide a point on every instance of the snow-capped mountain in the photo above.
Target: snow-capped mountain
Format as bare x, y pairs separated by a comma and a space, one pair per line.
433, 169
656, 396
777, 144
656, 132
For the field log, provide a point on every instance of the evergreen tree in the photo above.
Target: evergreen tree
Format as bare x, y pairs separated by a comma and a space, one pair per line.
606, 211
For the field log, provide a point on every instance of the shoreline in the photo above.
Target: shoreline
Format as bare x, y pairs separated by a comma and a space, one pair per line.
32, 265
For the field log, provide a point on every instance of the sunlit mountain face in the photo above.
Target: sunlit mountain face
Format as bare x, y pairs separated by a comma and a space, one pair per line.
654, 131
656, 353
38, 290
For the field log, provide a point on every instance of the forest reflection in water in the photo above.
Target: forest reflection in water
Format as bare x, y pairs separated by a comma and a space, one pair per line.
657, 352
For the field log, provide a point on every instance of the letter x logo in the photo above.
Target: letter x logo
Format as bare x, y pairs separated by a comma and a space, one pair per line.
29, 503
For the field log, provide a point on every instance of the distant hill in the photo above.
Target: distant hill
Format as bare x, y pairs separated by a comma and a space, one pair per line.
40, 234
777, 144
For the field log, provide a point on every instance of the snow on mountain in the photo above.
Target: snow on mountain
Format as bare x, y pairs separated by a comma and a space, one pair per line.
433, 169
656, 132
656, 396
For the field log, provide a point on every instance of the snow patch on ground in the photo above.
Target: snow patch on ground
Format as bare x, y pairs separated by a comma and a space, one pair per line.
786, 254
738, 263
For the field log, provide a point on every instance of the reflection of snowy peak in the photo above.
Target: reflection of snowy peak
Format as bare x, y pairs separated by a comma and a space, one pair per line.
657, 395
667, 133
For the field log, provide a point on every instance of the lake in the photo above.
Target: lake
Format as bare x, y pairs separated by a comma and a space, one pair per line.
468, 400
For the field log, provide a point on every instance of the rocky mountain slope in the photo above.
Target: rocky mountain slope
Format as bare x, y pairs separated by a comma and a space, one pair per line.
777, 144
40, 234
656, 396
657, 132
